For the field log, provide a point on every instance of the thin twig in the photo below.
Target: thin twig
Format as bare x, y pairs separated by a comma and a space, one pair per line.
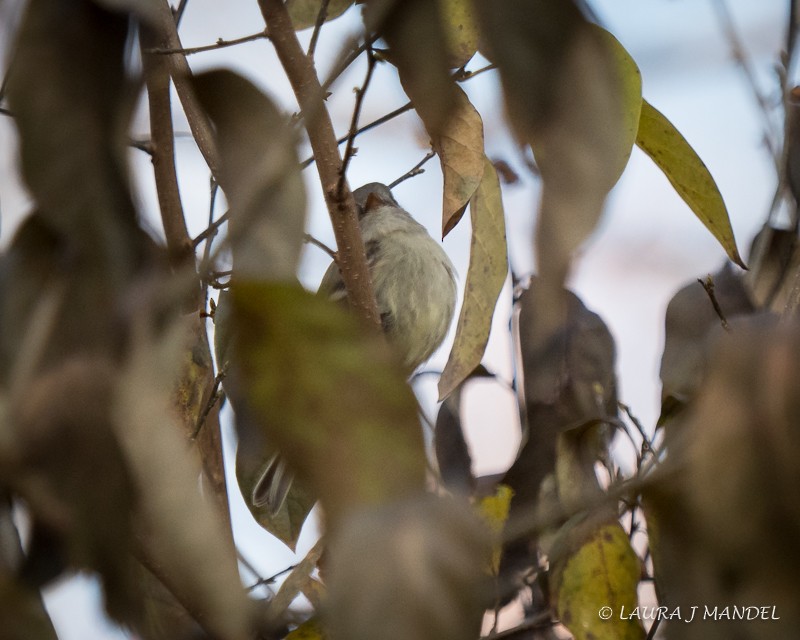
271, 579
349, 55
739, 55
408, 106
213, 399
321, 16
213, 190
219, 44
414, 171
708, 285
646, 443
211, 229
383, 119
652, 633
353, 131
179, 11
308, 238
791, 32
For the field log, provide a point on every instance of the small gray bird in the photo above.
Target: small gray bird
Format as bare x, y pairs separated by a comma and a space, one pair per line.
413, 279
415, 288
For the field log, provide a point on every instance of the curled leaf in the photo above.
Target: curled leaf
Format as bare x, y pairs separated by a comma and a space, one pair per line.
687, 173
460, 151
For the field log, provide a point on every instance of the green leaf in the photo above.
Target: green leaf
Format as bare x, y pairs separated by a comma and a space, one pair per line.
598, 569
331, 399
311, 629
460, 30
460, 151
287, 523
304, 12
68, 92
687, 173
488, 266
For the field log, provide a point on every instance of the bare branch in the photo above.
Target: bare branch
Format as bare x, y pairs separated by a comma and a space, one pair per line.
708, 285
739, 55
341, 205
308, 238
353, 132
219, 44
162, 145
321, 16
181, 76
383, 119
415, 170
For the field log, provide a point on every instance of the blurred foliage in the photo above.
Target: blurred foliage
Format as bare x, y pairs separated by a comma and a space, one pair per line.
109, 395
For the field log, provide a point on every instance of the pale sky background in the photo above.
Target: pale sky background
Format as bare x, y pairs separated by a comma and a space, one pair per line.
648, 245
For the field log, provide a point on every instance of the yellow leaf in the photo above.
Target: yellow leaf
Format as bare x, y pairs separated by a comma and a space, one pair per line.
460, 30
311, 629
594, 583
488, 266
494, 510
687, 173
460, 150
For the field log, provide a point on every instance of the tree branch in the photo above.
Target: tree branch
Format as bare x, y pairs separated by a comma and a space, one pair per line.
415, 170
341, 206
162, 146
323, 13
219, 44
353, 131
181, 75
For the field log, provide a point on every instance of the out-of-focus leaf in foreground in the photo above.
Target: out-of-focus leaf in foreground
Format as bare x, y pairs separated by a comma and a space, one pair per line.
260, 175
488, 267
333, 401
596, 568
412, 570
419, 49
573, 94
67, 93
59, 441
304, 13
687, 173
583, 145
735, 453
180, 535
